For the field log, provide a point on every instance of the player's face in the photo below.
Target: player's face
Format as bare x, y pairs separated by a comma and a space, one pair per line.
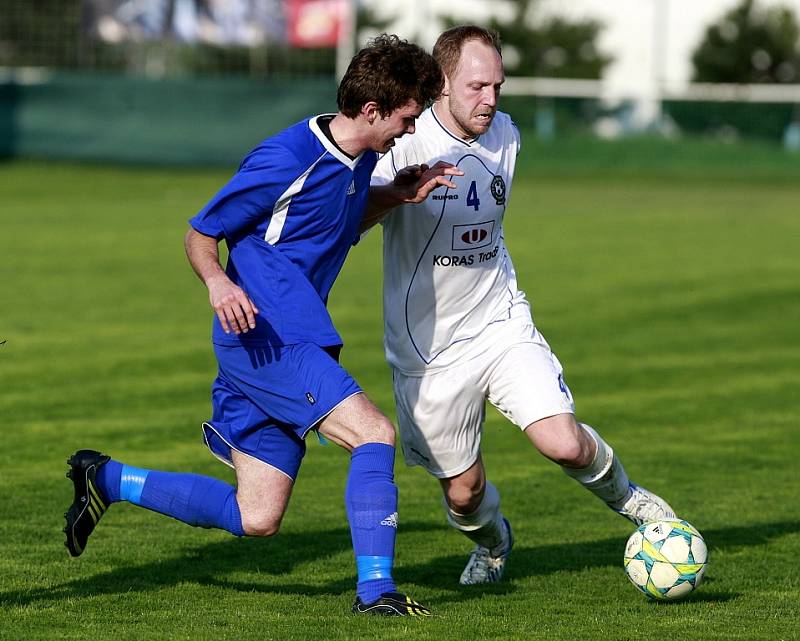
472, 92
398, 123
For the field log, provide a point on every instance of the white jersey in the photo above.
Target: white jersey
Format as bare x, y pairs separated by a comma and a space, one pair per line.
447, 274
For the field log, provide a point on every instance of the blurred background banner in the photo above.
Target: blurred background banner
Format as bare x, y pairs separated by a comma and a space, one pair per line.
136, 70
314, 23
232, 22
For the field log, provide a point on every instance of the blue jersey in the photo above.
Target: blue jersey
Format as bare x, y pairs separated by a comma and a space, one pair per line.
289, 216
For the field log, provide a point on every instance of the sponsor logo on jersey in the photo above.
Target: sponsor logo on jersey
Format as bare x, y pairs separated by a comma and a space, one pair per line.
310, 398
465, 260
498, 189
352, 188
474, 236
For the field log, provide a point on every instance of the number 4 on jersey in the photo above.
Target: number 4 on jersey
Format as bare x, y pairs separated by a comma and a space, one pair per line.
472, 196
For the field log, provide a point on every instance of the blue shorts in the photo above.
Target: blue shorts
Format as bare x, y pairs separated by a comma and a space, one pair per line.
266, 399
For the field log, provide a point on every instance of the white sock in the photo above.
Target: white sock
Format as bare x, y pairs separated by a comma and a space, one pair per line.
485, 525
605, 477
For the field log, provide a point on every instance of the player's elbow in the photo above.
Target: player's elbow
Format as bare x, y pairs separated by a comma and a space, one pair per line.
189, 238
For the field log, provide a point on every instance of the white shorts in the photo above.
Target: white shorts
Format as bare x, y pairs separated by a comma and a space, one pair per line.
440, 414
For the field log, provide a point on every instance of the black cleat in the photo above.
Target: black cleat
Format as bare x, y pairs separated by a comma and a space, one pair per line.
392, 604
88, 505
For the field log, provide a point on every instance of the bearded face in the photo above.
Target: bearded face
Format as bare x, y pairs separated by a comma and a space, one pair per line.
473, 90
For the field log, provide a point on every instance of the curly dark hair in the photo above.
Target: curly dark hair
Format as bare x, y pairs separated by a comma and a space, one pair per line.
447, 49
390, 72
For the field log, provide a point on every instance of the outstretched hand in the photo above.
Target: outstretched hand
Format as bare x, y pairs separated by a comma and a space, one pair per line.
416, 182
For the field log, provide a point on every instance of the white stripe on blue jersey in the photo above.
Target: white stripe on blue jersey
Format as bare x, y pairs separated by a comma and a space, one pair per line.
281, 209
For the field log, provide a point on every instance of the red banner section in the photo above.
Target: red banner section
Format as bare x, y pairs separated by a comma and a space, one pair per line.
314, 23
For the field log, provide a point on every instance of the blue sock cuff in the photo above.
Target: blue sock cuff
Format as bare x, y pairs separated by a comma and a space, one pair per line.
132, 483
371, 568
107, 479
374, 456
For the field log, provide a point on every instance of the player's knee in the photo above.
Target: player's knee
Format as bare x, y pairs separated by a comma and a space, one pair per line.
260, 524
577, 451
563, 441
377, 430
385, 432
464, 499
573, 452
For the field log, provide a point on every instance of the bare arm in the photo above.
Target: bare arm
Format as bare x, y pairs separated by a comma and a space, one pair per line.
232, 305
412, 184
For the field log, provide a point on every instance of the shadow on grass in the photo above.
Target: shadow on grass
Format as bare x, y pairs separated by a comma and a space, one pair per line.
575, 557
281, 555
703, 595
209, 564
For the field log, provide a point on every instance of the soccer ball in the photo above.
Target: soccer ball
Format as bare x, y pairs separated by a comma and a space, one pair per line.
666, 559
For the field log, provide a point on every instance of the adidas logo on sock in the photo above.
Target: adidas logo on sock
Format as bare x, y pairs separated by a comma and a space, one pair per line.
390, 520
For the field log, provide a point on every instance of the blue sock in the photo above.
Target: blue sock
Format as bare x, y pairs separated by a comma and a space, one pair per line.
194, 499
371, 502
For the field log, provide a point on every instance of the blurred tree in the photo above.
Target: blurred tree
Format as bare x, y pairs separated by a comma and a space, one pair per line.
554, 47
750, 44
37, 32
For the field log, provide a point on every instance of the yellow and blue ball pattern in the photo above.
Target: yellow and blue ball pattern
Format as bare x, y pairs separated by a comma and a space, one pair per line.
666, 559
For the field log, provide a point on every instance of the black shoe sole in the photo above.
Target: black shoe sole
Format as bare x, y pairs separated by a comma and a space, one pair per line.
88, 506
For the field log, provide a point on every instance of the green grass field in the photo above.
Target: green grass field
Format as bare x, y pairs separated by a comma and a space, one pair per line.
670, 291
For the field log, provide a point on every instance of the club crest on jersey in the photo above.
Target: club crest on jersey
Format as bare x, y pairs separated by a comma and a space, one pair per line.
498, 189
